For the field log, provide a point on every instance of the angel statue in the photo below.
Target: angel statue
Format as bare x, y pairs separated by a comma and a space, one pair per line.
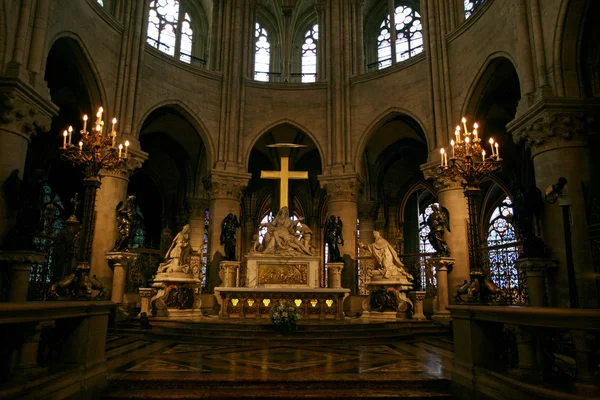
333, 237
437, 221
129, 221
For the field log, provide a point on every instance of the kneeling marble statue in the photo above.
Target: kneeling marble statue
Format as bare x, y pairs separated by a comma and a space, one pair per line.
178, 255
389, 265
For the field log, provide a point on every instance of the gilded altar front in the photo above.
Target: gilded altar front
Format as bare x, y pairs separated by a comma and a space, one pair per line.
283, 274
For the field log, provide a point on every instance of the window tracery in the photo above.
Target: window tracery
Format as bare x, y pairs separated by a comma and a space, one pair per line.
167, 32
428, 276
262, 54
309, 54
409, 37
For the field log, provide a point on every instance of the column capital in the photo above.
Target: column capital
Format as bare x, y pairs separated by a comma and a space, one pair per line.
556, 122
345, 187
22, 110
225, 185
431, 172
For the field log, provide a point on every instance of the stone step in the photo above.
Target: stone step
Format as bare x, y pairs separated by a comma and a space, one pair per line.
432, 388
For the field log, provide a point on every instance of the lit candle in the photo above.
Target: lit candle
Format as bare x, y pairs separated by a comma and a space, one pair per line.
442, 151
99, 115
446, 160
482, 155
114, 122
467, 145
492, 145
457, 133
126, 147
85, 118
475, 137
120, 150
497, 151
464, 121
80, 146
99, 130
65, 133
452, 143
70, 133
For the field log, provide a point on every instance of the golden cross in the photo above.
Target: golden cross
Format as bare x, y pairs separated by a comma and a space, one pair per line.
284, 175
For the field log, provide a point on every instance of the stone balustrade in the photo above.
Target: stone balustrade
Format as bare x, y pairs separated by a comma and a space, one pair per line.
526, 352
53, 349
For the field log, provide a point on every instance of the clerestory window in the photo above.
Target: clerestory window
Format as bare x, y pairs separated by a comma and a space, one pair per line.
262, 54
404, 24
471, 6
168, 33
309, 54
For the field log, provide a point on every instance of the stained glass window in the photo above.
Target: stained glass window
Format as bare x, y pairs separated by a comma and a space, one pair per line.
503, 251
471, 6
262, 54
409, 36
428, 279
163, 22
309, 54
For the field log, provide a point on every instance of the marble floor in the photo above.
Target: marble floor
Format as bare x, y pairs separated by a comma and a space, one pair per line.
145, 368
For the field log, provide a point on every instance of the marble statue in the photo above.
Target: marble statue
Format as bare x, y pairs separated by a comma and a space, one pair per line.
177, 257
333, 237
437, 222
228, 231
389, 265
282, 236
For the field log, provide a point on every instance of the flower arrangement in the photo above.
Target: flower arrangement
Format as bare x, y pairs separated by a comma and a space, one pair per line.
284, 315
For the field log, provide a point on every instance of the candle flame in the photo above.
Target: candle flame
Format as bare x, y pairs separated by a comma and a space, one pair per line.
85, 117
114, 121
442, 151
126, 143
464, 119
70, 129
452, 142
65, 133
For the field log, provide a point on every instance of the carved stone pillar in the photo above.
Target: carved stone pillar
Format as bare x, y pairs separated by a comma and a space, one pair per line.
112, 191
146, 295
198, 208
225, 192
22, 115
367, 212
342, 201
450, 195
557, 130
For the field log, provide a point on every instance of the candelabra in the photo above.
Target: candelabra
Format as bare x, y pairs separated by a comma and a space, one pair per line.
95, 152
469, 166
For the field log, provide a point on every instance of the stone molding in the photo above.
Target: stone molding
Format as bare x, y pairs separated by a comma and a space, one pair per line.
345, 187
24, 113
22, 257
225, 185
554, 123
431, 172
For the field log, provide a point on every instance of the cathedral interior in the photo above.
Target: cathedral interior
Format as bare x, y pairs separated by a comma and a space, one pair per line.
376, 117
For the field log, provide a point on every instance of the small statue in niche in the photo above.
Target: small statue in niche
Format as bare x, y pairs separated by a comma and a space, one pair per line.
228, 235
178, 256
129, 221
333, 237
527, 209
437, 222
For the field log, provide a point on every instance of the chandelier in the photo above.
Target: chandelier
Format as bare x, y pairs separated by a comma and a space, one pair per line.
94, 153
470, 165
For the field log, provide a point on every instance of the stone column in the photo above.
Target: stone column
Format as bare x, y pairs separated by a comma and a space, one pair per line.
556, 130
342, 198
198, 207
225, 192
367, 212
418, 296
536, 268
21, 116
450, 195
442, 266
120, 262
228, 270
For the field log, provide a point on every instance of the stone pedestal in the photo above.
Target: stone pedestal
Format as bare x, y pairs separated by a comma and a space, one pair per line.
418, 296
335, 275
536, 278
442, 266
120, 262
271, 270
388, 300
19, 263
228, 271
146, 295
176, 296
